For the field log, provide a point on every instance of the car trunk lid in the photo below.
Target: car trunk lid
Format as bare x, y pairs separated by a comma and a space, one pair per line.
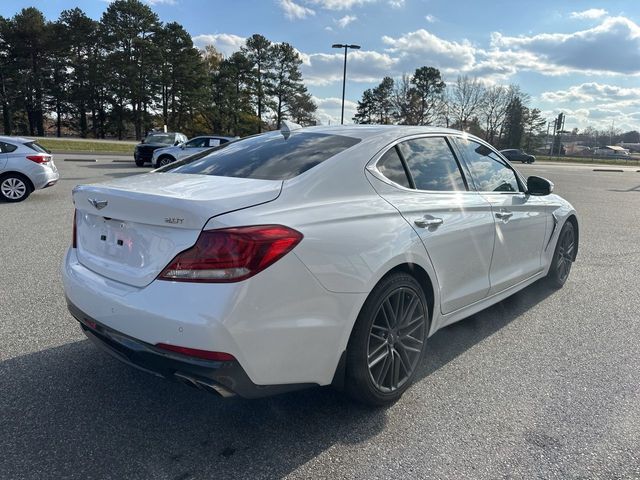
129, 229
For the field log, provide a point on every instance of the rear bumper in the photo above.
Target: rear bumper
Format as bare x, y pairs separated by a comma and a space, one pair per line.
226, 378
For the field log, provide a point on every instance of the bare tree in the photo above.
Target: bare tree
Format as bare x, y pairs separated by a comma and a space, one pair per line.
466, 97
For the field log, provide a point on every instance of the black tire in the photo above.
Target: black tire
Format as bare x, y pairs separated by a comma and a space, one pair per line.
164, 160
370, 339
139, 163
563, 256
14, 187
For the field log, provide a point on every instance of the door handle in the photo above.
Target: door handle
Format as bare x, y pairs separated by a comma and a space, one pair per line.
428, 221
504, 214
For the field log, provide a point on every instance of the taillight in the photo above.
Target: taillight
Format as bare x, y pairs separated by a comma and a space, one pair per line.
231, 254
74, 241
39, 158
194, 352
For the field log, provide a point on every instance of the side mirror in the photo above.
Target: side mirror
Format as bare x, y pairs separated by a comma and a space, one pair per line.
539, 186
183, 145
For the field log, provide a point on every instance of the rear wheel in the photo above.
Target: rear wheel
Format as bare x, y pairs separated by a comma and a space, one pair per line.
563, 256
14, 187
387, 342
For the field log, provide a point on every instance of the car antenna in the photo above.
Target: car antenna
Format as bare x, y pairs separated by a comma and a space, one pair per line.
287, 127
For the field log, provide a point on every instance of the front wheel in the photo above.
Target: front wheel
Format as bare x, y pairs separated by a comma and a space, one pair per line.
164, 160
14, 188
387, 341
139, 162
563, 256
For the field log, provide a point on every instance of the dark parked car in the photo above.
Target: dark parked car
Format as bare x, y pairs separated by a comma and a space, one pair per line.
516, 155
154, 140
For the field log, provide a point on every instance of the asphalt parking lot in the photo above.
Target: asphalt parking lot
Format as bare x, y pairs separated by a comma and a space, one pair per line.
543, 385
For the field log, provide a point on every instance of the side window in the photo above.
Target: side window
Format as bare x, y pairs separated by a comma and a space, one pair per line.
196, 143
432, 164
391, 167
7, 147
214, 142
488, 171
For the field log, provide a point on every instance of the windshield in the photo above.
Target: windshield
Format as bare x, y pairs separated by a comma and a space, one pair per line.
162, 138
270, 156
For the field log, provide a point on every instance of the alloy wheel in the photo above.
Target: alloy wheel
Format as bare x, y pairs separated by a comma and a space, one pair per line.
164, 161
566, 246
13, 188
396, 339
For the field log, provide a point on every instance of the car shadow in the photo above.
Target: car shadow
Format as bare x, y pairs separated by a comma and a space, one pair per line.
74, 412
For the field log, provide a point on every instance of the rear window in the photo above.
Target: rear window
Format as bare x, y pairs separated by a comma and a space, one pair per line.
266, 157
162, 138
37, 147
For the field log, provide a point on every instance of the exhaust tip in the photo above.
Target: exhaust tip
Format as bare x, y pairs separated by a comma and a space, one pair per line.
207, 386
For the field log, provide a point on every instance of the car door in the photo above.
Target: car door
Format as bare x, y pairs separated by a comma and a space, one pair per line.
427, 186
194, 145
520, 219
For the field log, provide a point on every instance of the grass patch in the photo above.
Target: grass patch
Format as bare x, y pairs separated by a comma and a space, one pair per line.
87, 146
590, 161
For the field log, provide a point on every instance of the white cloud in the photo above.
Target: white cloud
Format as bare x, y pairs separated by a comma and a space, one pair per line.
603, 95
612, 47
339, 4
362, 66
396, 3
295, 11
329, 110
591, 14
424, 48
346, 20
225, 43
430, 18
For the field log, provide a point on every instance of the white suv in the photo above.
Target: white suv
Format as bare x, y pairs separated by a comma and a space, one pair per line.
25, 166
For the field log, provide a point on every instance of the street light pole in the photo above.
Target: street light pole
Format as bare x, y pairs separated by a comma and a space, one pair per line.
344, 72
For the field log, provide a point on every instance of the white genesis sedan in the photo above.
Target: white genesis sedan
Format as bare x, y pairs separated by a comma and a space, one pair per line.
309, 256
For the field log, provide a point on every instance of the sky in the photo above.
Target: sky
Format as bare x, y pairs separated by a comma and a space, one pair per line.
577, 57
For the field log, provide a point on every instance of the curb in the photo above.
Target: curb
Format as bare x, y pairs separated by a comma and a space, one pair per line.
608, 170
80, 160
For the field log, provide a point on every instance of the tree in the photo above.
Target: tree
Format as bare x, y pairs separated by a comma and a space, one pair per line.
514, 124
79, 35
383, 101
287, 80
27, 36
466, 98
365, 110
534, 125
428, 87
259, 51
182, 75
404, 102
128, 27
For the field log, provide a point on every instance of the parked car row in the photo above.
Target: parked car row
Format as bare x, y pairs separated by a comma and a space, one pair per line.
163, 148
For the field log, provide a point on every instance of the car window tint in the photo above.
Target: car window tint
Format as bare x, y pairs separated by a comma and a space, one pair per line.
270, 156
391, 167
7, 147
432, 164
196, 143
37, 147
488, 170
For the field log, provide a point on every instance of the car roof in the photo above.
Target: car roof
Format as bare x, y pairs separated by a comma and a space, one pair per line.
15, 139
368, 131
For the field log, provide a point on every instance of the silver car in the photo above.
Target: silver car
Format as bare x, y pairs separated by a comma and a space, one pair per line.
25, 166
167, 155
